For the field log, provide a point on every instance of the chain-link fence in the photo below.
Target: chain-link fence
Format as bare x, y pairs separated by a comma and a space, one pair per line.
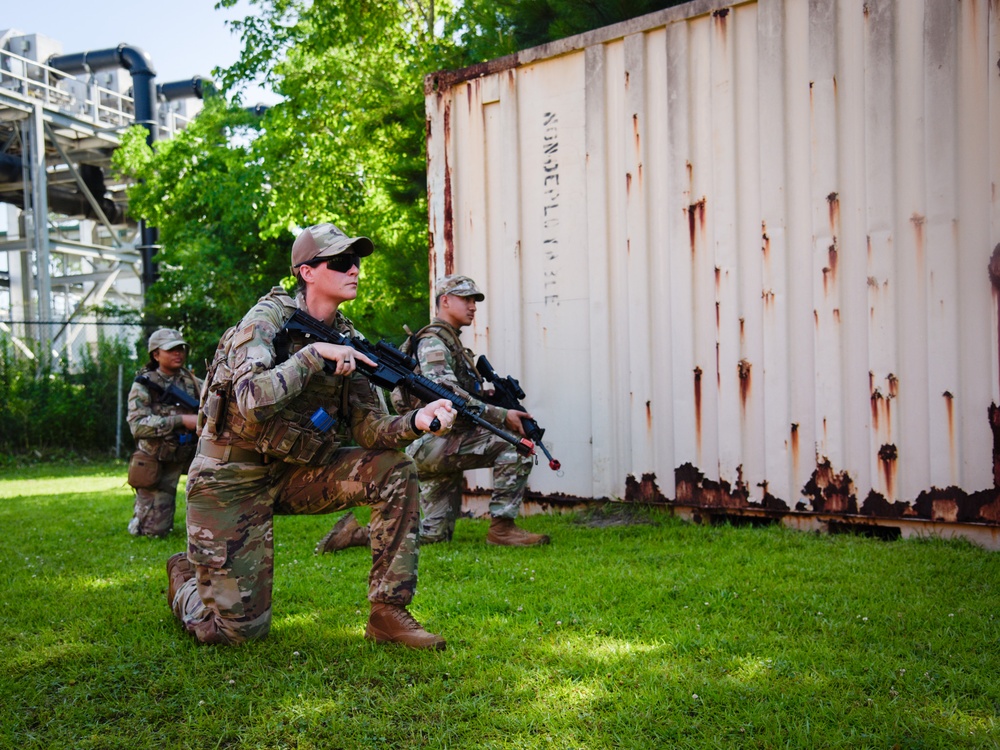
63, 385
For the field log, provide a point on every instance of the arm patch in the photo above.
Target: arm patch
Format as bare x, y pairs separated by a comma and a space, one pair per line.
436, 356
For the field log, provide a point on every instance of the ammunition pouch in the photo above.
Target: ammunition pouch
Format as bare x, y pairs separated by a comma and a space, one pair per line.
293, 443
143, 470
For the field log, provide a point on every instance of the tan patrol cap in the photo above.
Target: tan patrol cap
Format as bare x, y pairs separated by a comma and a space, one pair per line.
165, 338
459, 286
324, 241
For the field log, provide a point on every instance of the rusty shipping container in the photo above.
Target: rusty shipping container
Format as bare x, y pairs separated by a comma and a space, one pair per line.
739, 255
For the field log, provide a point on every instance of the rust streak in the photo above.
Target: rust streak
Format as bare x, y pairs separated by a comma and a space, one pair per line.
743, 369
994, 272
449, 217
833, 199
949, 403
649, 416
697, 403
794, 440
765, 241
918, 221
887, 456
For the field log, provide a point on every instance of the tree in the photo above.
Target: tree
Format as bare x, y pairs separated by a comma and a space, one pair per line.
205, 191
346, 145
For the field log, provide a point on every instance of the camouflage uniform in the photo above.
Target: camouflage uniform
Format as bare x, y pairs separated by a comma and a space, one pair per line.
260, 455
158, 431
441, 460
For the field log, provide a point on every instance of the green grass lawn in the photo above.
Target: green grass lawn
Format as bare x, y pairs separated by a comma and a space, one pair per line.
651, 634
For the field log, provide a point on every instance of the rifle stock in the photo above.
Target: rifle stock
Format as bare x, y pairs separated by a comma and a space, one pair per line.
507, 393
393, 368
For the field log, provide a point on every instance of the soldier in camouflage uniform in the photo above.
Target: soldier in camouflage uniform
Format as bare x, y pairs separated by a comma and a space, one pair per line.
163, 431
441, 461
276, 417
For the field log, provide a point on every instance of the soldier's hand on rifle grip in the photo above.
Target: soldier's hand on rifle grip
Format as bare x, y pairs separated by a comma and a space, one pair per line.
513, 421
344, 357
439, 411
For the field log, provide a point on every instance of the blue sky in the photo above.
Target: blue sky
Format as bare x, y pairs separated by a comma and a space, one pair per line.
183, 38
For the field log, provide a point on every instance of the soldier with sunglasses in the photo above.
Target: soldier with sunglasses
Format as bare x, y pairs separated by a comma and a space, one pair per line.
289, 427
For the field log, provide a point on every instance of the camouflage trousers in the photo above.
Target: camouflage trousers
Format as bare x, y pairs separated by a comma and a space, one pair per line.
230, 512
154, 506
440, 463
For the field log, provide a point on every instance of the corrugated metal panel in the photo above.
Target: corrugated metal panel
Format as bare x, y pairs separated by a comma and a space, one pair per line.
738, 253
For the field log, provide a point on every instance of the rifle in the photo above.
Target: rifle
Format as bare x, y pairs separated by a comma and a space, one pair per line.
508, 394
175, 396
393, 368
171, 394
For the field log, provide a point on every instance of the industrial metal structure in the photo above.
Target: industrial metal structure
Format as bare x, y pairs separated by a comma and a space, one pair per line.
70, 243
738, 255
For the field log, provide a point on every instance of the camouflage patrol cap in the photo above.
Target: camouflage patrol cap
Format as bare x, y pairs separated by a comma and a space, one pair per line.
324, 241
165, 338
459, 286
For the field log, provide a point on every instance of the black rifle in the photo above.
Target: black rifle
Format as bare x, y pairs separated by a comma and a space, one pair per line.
171, 394
508, 394
393, 369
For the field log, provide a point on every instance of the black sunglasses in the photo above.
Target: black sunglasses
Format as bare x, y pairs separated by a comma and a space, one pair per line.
340, 263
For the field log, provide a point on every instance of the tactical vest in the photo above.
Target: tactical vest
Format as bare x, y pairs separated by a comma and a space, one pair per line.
465, 369
312, 425
177, 447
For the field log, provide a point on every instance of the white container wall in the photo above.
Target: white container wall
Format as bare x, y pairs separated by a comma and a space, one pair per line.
739, 254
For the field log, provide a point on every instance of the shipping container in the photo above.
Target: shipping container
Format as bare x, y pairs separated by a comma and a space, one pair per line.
739, 256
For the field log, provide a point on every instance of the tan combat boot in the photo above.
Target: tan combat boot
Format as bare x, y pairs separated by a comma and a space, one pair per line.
392, 623
179, 571
505, 532
345, 533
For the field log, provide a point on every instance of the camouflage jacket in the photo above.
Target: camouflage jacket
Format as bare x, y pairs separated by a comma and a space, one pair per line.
269, 392
156, 425
442, 358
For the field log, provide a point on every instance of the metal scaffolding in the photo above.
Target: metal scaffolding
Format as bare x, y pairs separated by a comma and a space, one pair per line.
70, 243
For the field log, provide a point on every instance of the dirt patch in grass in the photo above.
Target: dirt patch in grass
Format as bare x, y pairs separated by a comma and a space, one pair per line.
616, 514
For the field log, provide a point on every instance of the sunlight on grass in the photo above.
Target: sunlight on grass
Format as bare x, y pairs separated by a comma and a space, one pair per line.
10, 488
750, 669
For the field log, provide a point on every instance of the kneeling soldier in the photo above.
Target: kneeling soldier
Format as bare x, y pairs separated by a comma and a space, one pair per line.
276, 416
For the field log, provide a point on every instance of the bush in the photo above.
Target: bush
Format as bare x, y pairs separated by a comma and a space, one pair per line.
48, 405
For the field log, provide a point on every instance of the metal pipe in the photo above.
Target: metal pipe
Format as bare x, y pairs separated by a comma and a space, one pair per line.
135, 61
140, 66
193, 88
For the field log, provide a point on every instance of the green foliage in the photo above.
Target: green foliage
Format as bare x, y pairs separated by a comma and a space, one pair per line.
346, 145
649, 634
47, 405
535, 22
206, 192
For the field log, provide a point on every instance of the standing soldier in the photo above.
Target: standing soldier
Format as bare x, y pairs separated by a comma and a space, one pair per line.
162, 412
277, 416
441, 461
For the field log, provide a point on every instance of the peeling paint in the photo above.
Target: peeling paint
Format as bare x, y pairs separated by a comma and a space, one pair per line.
644, 490
830, 491
694, 488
